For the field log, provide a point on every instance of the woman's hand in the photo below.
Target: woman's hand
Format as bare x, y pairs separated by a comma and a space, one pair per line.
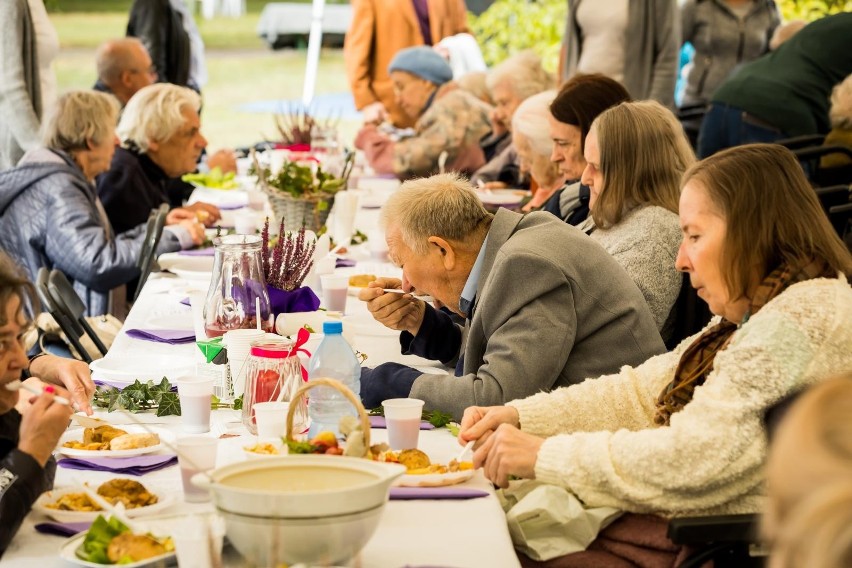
195, 229
395, 311
72, 374
205, 212
479, 422
43, 423
506, 453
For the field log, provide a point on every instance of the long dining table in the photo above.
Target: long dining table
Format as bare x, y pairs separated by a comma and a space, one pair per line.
447, 533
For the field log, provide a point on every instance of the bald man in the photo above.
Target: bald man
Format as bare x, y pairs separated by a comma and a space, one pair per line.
124, 67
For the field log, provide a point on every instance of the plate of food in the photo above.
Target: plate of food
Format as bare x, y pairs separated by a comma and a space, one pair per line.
71, 504
188, 267
109, 441
421, 472
111, 542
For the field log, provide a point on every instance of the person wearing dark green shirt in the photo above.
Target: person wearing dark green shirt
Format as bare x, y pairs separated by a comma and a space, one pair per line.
785, 93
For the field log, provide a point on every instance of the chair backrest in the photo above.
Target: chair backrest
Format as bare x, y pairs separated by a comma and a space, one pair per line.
68, 324
148, 254
841, 219
66, 299
691, 314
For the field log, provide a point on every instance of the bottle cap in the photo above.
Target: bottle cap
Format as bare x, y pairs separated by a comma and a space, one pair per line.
332, 327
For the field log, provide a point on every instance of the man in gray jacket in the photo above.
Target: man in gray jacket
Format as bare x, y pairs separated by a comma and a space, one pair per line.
544, 306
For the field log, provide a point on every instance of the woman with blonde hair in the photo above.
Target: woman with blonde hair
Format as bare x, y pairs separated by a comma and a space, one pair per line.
635, 155
682, 434
808, 520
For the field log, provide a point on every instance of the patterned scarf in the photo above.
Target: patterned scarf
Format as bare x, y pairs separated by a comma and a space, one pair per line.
697, 361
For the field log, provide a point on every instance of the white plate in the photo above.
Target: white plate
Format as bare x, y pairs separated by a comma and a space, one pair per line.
171, 321
48, 497
69, 549
435, 479
145, 368
77, 434
502, 196
190, 267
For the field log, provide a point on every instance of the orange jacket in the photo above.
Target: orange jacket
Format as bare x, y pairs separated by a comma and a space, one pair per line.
379, 29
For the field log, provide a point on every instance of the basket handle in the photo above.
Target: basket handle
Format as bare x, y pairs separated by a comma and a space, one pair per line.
339, 387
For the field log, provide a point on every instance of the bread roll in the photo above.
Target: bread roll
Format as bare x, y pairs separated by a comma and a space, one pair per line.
134, 441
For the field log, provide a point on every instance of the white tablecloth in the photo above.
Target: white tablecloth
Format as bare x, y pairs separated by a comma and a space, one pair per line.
469, 533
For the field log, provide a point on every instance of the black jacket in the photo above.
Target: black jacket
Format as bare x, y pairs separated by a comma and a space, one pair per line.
22, 479
132, 187
160, 28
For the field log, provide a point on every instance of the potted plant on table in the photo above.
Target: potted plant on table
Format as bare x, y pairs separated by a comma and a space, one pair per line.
286, 264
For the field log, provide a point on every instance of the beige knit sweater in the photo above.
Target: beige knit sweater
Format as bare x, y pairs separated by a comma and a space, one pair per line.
603, 445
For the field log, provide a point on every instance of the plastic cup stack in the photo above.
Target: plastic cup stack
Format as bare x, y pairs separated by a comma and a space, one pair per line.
238, 342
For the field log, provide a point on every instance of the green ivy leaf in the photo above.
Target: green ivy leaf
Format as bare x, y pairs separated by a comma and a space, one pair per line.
169, 405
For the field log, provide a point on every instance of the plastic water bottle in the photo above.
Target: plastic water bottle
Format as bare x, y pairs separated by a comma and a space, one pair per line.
333, 359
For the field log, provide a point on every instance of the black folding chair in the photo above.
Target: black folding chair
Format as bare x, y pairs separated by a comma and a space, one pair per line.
841, 219
148, 254
67, 300
72, 329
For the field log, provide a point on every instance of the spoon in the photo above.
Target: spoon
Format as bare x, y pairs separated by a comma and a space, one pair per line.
421, 297
468, 447
442, 161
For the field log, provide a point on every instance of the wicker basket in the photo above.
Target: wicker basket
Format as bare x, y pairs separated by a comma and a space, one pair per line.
342, 389
310, 211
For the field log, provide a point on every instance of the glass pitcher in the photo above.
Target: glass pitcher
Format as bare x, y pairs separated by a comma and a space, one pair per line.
274, 374
237, 289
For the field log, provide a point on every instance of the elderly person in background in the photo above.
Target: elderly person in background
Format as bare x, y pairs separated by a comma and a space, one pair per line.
784, 93
513, 81
27, 441
124, 67
840, 115
580, 100
64, 225
160, 135
379, 30
809, 480
635, 156
531, 291
448, 120
531, 141
682, 434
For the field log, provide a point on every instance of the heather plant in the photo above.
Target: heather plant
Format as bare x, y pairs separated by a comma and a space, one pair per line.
291, 258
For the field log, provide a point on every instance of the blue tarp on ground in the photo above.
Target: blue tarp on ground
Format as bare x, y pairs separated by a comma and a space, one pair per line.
323, 106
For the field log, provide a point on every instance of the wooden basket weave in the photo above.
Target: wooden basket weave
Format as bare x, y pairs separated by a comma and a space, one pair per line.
311, 211
342, 389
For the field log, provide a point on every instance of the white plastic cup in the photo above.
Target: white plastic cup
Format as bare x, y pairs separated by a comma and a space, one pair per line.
195, 455
402, 416
378, 245
335, 288
256, 200
195, 394
245, 222
238, 342
271, 419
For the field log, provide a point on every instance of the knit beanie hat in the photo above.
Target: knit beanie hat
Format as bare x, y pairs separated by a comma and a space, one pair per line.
424, 62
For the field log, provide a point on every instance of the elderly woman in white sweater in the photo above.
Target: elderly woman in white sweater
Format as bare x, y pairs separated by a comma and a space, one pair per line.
682, 433
635, 155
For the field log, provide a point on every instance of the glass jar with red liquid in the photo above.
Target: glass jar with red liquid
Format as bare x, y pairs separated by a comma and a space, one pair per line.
237, 297
274, 373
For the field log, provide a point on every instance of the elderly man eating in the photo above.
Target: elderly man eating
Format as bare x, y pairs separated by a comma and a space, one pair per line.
544, 306
160, 135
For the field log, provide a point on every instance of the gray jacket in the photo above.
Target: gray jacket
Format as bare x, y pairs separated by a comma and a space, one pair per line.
651, 50
552, 308
722, 41
49, 216
20, 87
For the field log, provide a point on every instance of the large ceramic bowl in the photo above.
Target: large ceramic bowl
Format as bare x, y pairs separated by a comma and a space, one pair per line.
300, 509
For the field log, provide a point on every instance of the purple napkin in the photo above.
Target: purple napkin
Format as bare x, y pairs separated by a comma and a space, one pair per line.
410, 493
344, 263
208, 251
379, 422
232, 206
170, 336
138, 465
186, 302
63, 529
